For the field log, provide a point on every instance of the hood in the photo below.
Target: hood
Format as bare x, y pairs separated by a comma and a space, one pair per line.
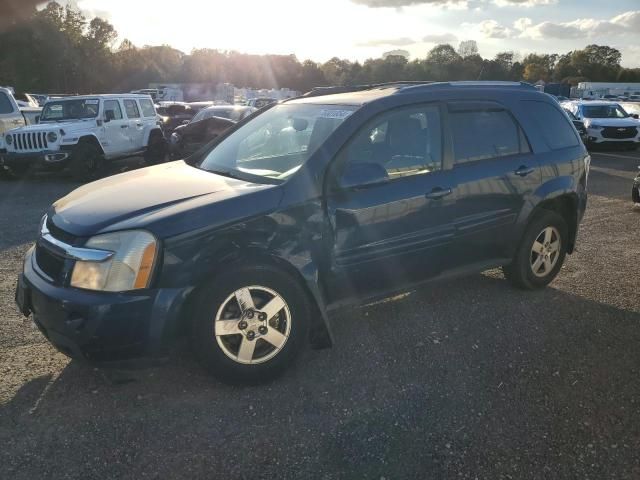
611, 122
158, 198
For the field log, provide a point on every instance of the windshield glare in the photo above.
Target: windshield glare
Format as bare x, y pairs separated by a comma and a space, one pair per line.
70, 109
604, 111
276, 143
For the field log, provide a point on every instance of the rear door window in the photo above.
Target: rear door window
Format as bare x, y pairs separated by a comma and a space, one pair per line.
556, 129
5, 104
131, 108
480, 134
114, 106
147, 108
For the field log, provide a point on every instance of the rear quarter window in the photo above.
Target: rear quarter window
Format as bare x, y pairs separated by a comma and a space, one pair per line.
147, 108
556, 129
5, 104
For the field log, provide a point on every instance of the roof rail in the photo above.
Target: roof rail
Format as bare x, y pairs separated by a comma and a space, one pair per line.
472, 83
319, 91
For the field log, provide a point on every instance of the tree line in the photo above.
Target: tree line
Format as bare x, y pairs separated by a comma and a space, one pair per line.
58, 50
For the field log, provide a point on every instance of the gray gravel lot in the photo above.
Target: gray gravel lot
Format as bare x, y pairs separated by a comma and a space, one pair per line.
465, 379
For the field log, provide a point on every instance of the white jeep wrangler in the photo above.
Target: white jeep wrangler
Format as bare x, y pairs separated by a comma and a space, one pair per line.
84, 132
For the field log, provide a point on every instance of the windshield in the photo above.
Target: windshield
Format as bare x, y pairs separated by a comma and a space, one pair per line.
632, 108
604, 111
276, 143
70, 109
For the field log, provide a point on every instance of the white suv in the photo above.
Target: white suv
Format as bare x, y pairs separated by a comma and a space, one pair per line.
606, 122
85, 131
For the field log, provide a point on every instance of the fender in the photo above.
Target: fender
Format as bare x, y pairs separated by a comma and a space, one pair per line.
148, 130
89, 137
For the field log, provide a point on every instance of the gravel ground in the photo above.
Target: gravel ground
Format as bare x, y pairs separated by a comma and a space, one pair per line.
464, 379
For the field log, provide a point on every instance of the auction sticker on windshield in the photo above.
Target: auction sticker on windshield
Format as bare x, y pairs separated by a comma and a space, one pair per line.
339, 114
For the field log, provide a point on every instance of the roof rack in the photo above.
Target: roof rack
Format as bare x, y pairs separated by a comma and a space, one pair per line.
410, 85
319, 91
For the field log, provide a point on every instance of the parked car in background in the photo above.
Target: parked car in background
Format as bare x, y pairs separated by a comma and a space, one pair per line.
204, 127
40, 98
187, 139
606, 123
634, 98
579, 124
173, 114
261, 102
84, 132
13, 116
364, 194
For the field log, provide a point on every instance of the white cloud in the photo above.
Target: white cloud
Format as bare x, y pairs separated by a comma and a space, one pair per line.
522, 23
524, 3
626, 23
407, 3
394, 42
440, 38
493, 29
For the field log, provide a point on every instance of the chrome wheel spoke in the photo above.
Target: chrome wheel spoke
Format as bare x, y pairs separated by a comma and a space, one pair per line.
227, 327
243, 296
547, 234
555, 246
273, 307
537, 247
275, 338
537, 264
245, 353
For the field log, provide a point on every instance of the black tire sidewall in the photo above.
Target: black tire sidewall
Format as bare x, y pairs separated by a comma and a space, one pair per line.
520, 271
209, 300
78, 164
153, 157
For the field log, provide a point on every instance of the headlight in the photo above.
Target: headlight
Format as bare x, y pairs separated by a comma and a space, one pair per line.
9, 139
130, 267
52, 137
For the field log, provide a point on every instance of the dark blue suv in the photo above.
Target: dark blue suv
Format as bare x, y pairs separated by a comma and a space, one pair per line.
310, 204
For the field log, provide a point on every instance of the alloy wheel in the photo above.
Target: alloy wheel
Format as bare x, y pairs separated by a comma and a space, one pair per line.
545, 252
252, 325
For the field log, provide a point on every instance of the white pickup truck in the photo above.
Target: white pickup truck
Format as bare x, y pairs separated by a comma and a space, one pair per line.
83, 133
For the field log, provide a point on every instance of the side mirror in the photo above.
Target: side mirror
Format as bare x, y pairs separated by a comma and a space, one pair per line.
636, 116
360, 174
109, 115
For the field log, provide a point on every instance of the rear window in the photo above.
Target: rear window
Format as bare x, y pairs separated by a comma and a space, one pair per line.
5, 103
147, 108
556, 129
484, 134
131, 108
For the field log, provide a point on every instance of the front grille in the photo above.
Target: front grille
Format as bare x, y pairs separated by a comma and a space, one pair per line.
619, 132
49, 263
30, 141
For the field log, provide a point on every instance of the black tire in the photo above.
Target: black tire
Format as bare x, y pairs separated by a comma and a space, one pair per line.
156, 152
520, 271
219, 292
87, 162
635, 194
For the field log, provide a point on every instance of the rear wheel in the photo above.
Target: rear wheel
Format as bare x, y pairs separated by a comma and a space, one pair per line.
541, 252
250, 323
156, 150
87, 162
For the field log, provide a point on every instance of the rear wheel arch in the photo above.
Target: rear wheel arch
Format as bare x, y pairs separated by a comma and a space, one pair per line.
565, 205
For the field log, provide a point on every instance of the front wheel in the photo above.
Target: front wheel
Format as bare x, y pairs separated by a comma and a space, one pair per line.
87, 162
156, 150
250, 323
541, 252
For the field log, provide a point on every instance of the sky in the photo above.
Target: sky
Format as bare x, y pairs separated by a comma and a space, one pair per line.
360, 29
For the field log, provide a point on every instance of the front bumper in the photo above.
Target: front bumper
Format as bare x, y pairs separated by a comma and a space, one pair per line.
100, 326
595, 136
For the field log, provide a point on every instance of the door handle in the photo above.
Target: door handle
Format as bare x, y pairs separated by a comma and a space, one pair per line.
438, 192
124, 126
139, 124
523, 171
